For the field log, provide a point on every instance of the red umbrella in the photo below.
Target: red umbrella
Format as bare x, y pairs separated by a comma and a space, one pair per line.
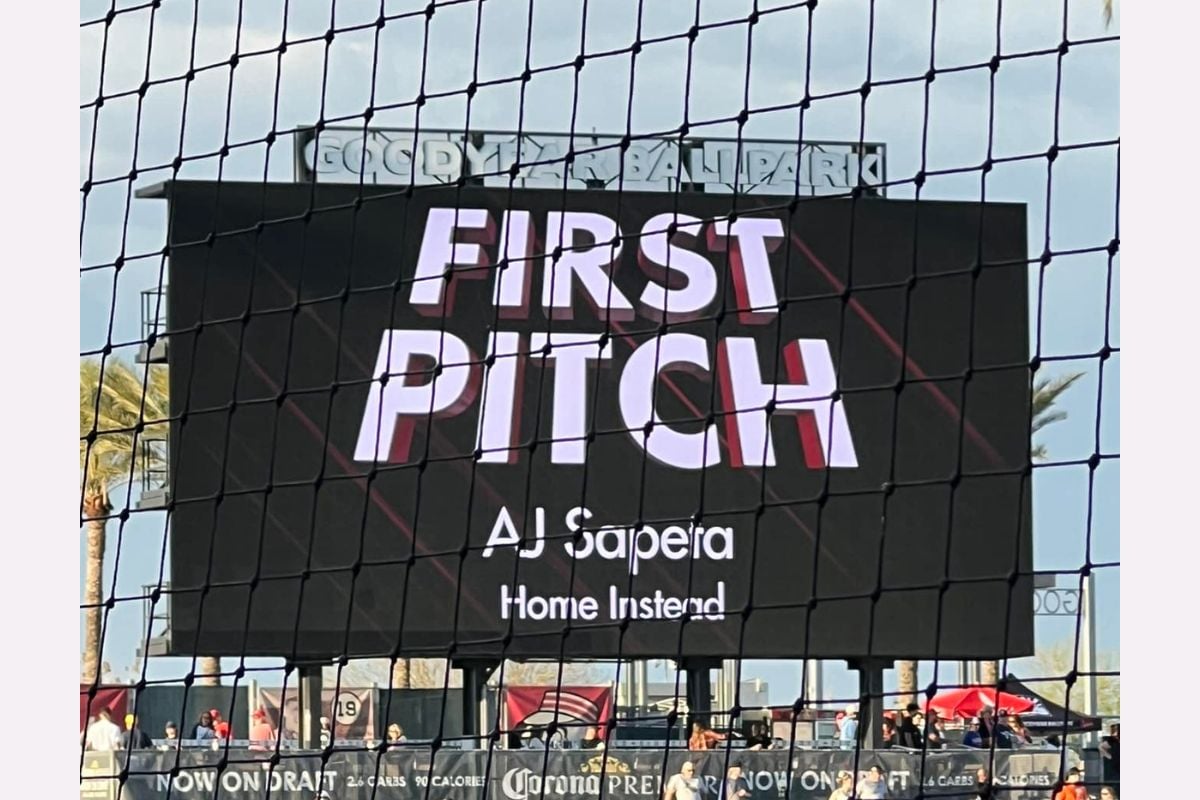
969, 701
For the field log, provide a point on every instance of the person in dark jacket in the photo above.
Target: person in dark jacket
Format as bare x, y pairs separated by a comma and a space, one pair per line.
908, 735
134, 737
1110, 757
889, 734
591, 739
984, 789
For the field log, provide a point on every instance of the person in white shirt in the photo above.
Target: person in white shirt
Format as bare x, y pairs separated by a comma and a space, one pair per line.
849, 731
872, 787
103, 734
845, 786
684, 785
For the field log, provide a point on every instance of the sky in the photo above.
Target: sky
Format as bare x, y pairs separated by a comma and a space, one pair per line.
1070, 99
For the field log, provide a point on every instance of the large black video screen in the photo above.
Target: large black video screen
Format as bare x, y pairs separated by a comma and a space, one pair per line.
478, 423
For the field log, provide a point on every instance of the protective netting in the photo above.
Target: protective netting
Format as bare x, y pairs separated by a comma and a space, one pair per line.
545, 379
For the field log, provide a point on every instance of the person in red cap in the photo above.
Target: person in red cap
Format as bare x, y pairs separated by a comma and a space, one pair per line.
262, 732
220, 725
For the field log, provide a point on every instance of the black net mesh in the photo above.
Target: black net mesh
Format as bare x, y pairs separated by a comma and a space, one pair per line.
558, 399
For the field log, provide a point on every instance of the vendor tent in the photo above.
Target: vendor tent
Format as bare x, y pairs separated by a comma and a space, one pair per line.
1047, 718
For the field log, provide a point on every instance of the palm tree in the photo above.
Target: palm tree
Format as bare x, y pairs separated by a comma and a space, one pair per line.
906, 682
1045, 393
208, 671
401, 679
118, 407
1108, 12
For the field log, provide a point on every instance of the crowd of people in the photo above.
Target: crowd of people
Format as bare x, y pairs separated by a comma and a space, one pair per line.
105, 735
556, 738
913, 729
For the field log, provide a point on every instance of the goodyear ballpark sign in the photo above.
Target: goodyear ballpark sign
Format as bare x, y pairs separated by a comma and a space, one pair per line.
652, 164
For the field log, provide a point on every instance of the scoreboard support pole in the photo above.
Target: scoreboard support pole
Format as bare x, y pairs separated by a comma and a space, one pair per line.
699, 690
871, 700
310, 705
474, 680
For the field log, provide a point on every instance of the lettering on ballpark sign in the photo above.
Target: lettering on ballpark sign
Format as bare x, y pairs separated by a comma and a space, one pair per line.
598, 162
429, 374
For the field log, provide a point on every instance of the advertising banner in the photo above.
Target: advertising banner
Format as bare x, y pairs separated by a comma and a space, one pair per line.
351, 712
539, 424
619, 775
577, 706
113, 698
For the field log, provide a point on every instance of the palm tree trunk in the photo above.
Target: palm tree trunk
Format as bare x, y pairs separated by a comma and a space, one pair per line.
401, 678
93, 589
989, 673
906, 681
208, 671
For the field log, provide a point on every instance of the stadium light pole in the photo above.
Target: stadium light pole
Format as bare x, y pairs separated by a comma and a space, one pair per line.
641, 672
1087, 655
814, 688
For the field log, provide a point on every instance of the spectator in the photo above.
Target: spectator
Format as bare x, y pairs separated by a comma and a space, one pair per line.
103, 735
204, 728
758, 739
326, 732
984, 789
845, 786
849, 730
534, 742
1110, 757
703, 737
134, 737
989, 730
395, 734
171, 736
873, 786
1070, 784
1016, 732
935, 734
591, 740
733, 787
220, 725
262, 732
684, 785
888, 739
973, 738
555, 738
1107, 793
908, 735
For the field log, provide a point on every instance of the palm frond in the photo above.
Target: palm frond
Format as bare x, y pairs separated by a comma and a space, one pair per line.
117, 411
1045, 393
